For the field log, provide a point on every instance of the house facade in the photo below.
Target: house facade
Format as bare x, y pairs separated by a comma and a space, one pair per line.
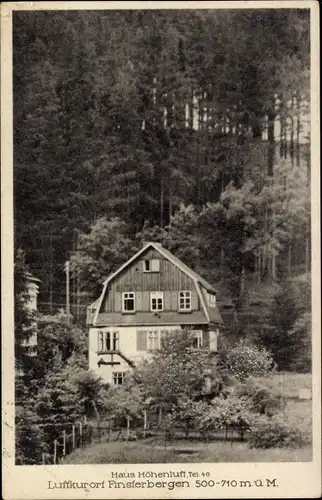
152, 294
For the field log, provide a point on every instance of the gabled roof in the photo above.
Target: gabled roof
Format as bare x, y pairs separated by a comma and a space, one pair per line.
172, 258
177, 262
198, 280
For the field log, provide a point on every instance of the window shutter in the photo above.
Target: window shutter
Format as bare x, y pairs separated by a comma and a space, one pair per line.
141, 340
155, 265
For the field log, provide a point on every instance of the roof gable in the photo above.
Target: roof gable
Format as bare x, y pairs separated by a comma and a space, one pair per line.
169, 256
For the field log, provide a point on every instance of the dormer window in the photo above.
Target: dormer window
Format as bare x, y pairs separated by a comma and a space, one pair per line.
151, 266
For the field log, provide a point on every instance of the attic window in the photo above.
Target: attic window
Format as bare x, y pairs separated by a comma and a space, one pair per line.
151, 266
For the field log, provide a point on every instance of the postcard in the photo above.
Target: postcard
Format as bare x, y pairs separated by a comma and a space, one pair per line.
160, 250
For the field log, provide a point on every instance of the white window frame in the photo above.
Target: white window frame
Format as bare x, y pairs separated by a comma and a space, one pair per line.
112, 337
184, 295
115, 340
128, 296
116, 376
211, 300
153, 340
157, 296
197, 334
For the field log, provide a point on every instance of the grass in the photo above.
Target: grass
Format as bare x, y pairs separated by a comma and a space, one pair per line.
179, 452
287, 384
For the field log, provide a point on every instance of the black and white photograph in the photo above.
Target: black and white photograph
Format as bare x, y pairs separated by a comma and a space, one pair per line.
162, 242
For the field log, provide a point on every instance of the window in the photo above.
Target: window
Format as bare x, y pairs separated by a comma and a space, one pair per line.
108, 341
211, 299
153, 340
197, 339
118, 378
184, 301
128, 300
115, 341
148, 340
151, 266
156, 301
147, 266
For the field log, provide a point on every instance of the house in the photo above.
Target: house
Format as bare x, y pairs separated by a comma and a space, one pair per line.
151, 294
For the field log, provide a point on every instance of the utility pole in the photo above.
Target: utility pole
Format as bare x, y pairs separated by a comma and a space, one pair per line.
67, 292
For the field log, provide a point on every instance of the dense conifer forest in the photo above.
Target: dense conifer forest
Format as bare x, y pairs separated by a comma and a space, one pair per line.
186, 127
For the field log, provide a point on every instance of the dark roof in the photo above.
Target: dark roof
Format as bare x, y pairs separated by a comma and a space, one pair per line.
149, 318
163, 318
214, 315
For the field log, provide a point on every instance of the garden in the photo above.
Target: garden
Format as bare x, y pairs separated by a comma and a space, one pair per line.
163, 413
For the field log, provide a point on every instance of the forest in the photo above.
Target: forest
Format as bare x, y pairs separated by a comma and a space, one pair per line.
193, 122
190, 128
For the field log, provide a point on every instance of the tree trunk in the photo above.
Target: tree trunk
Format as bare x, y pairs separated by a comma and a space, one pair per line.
298, 129
96, 411
222, 261
242, 282
170, 205
289, 258
271, 144
161, 199
273, 266
191, 110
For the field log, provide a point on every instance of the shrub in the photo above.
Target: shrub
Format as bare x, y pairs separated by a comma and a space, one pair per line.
232, 412
245, 360
274, 432
184, 415
261, 399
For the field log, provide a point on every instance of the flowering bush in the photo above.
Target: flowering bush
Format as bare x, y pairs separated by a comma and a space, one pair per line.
245, 360
233, 412
185, 414
274, 432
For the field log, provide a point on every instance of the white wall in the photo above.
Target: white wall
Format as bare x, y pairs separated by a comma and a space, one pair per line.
127, 345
